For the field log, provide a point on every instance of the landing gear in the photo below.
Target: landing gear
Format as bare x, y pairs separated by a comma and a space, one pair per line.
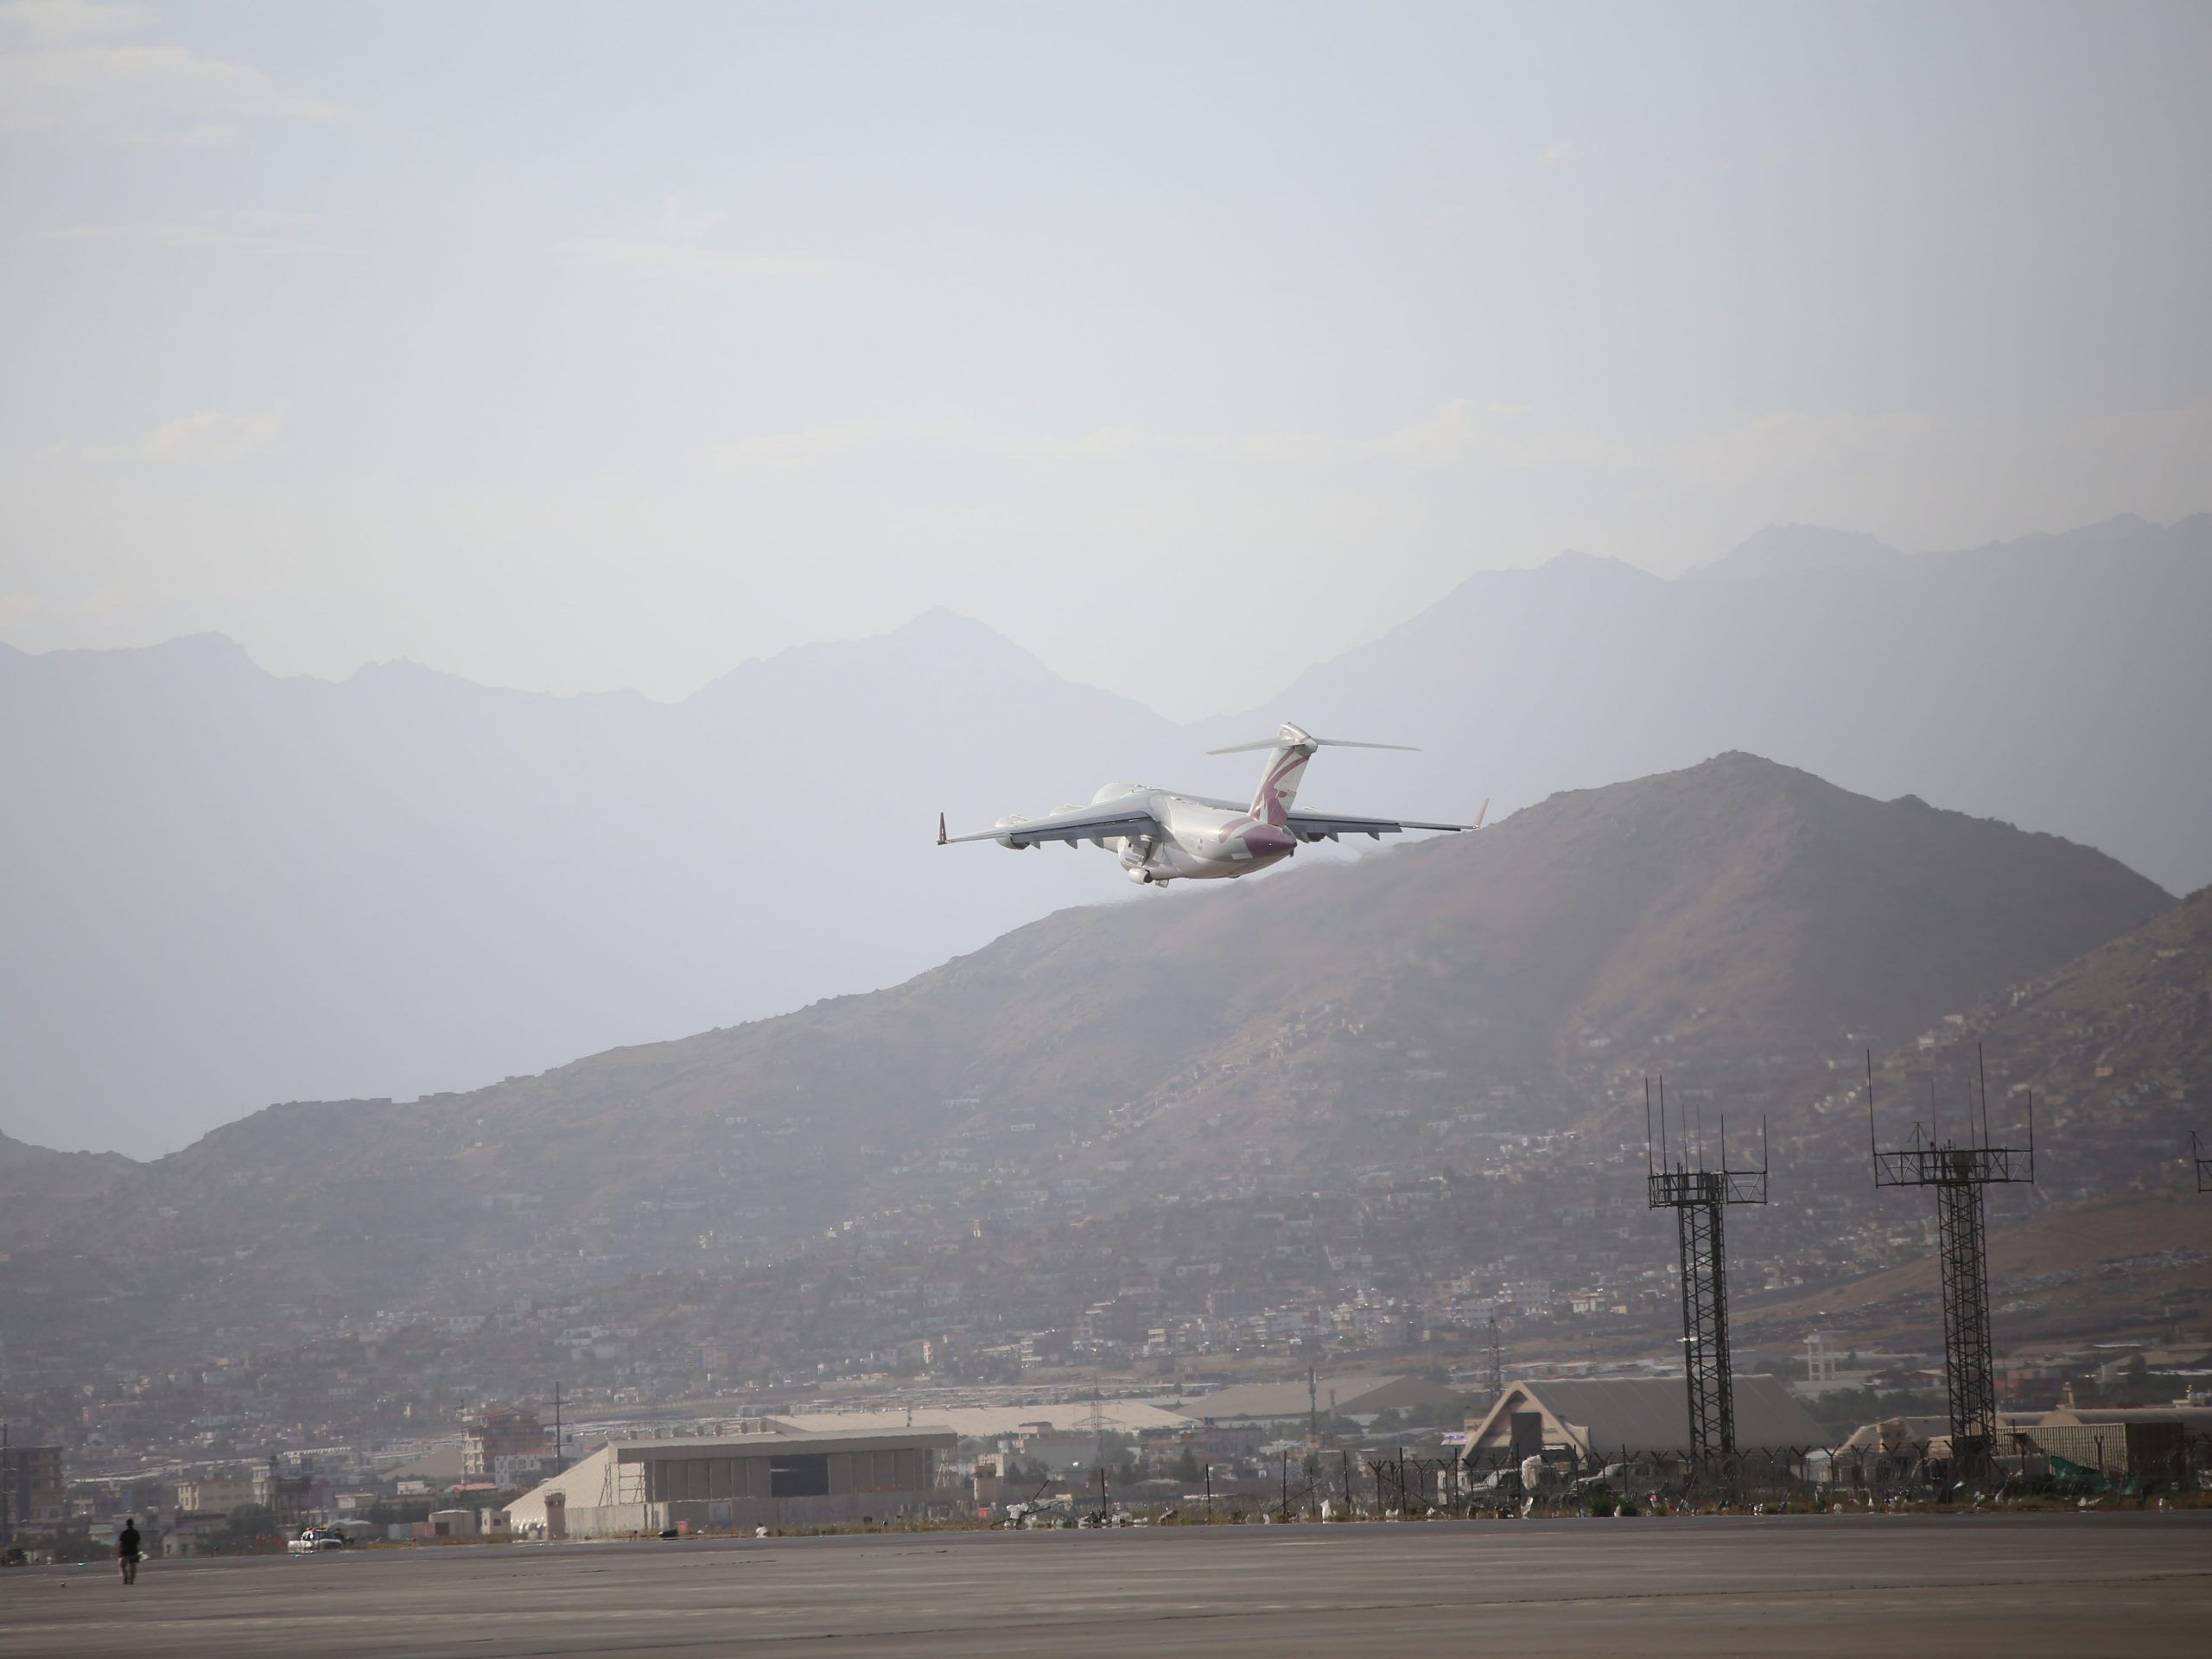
1137, 861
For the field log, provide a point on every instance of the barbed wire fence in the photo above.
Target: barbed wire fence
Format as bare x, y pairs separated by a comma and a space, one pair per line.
1901, 1470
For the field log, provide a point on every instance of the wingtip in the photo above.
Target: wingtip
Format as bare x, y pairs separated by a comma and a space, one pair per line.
1484, 813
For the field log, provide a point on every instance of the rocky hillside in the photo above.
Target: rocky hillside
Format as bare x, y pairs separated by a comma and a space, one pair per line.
2116, 1048
1740, 922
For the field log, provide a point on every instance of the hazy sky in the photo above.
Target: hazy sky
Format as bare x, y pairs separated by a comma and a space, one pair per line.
580, 347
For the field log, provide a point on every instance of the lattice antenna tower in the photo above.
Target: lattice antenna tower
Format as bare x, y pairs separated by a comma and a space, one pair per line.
1678, 1177
2203, 1164
1958, 1170
1496, 1373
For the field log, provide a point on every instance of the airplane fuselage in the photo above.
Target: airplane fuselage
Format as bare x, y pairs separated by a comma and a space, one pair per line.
1199, 840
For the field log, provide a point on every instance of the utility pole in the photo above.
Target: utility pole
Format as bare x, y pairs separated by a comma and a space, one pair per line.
1312, 1407
1496, 1378
560, 1445
1958, 1170
1699, 1196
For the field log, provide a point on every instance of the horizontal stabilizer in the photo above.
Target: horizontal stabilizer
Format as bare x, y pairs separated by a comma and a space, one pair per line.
1317, 742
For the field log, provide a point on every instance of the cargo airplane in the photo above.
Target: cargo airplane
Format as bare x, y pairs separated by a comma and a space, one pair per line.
1162, 836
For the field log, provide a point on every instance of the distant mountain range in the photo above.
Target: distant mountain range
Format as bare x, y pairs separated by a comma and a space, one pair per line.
2056, 681
1742, 923
233, 888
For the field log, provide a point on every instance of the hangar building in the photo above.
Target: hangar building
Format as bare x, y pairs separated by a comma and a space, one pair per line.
1601, 1419
790, 1478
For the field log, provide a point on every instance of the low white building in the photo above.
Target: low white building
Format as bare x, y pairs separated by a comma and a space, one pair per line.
773, 1479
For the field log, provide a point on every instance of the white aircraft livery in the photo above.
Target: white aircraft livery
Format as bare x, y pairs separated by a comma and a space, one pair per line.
1161, 835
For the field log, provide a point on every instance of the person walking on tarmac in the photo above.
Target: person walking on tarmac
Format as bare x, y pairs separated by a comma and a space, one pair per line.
126, 1549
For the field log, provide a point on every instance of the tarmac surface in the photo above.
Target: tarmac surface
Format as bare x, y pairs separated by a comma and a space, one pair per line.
2027, 1586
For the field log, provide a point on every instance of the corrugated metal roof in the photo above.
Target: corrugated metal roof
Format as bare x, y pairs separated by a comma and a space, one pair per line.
2198, 1419
1354, 1391
1646, 1414
984, 1422
933, 1435
580, 1484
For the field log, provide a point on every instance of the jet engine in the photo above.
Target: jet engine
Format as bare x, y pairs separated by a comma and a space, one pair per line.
1007, 823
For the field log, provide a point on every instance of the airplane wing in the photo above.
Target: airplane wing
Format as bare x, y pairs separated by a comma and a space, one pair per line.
1120, 818
1312, 826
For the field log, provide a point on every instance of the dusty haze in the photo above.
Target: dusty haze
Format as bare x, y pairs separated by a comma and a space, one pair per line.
810, 419
568, 347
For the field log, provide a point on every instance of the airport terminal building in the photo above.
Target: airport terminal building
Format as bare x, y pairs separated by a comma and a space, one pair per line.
772, 1479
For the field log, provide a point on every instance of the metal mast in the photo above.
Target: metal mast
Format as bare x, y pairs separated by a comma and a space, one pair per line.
1958, 1170
1677, 1179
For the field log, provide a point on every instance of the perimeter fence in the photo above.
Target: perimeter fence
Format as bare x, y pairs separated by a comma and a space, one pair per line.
2097, 1461
2134, 1461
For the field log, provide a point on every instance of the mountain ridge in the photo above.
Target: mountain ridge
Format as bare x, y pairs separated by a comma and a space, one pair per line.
1507, 981
286, 887
1439, 1045
1790, 550
2047, 680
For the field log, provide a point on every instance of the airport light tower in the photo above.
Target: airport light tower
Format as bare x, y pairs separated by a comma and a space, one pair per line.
1677, 1179
1960, 1170
2203, 1164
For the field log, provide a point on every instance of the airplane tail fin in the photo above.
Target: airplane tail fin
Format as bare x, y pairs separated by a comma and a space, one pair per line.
1288, 751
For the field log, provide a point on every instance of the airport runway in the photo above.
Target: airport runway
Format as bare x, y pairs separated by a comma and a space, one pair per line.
2139, 1584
